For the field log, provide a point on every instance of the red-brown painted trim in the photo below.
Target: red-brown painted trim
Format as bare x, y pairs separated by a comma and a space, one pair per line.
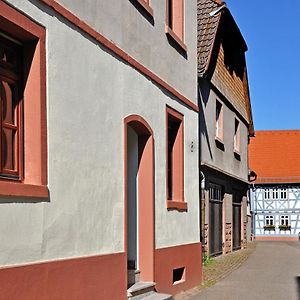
167, 259
43, 112
19, 189
22, 22
146, 6
146, 209
94, 277
174, 36
117, 50
35, 172
276, 238
179, 205
135, 119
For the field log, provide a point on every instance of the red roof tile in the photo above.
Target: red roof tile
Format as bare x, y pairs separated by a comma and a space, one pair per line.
275, 156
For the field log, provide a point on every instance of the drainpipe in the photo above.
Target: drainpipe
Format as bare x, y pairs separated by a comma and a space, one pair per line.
202, 212
252, 207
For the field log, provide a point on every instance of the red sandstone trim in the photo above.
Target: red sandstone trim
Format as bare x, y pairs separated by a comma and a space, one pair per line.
174, 36
276, 238
18, 189
146, 6
94, 277
35, 180
179, 205
145, 192
118, 51
167, 259
178, 174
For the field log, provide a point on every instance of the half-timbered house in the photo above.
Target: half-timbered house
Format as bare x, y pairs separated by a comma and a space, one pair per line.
275, 194
225, 124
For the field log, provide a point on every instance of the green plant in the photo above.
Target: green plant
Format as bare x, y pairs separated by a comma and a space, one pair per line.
208, 260
284, 227
269, 227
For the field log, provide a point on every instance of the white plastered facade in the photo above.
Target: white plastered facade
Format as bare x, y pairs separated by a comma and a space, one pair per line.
89, 93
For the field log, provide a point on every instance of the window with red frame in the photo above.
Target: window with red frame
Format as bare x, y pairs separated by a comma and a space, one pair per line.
175, 17
175, 156
10, 108
237, 136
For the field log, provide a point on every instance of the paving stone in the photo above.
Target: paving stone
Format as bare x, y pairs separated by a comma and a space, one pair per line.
220, 267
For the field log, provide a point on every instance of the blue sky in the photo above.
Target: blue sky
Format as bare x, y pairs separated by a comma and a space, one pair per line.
272, 32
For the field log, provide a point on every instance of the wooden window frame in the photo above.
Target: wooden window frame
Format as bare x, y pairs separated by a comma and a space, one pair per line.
33, 180
219, 121
175, 15
176, 200
11, 74
237, 137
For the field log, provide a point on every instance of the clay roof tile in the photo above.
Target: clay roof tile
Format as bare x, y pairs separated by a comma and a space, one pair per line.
275, 156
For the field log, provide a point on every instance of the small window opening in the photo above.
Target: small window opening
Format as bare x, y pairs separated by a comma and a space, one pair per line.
178, 275
219, 120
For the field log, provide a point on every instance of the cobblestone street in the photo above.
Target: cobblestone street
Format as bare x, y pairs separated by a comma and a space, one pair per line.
271, 272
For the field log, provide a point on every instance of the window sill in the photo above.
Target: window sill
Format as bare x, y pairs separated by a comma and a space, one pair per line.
237, 154
175, 38
178, 205
220, 143
219, 140
18, 189
146, 7
179, 282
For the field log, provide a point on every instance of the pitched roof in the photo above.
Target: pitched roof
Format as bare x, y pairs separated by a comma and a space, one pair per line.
275, 156
215, 22
209, 16
207, 30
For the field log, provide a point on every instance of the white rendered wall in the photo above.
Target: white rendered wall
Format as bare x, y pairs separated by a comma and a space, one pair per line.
139, 35
211, 154
89, 93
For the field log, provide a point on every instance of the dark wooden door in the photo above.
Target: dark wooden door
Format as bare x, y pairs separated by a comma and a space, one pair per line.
236, 221
215, 219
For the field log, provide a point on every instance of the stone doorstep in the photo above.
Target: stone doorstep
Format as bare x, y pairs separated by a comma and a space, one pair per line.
139, 288
145, 291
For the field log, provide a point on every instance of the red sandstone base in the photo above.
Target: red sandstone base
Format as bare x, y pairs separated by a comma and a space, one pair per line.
276, 238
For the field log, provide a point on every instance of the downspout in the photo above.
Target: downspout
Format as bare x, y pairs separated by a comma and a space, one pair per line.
202, 212
252, 208
252, 203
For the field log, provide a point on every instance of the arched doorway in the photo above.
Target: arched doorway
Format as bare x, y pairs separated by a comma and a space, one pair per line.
139, 199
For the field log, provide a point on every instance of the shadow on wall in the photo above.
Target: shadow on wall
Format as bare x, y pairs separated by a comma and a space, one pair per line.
203, 96
23, 200
298, 285
142, 11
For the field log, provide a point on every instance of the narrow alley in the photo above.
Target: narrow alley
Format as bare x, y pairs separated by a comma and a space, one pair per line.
271, 272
